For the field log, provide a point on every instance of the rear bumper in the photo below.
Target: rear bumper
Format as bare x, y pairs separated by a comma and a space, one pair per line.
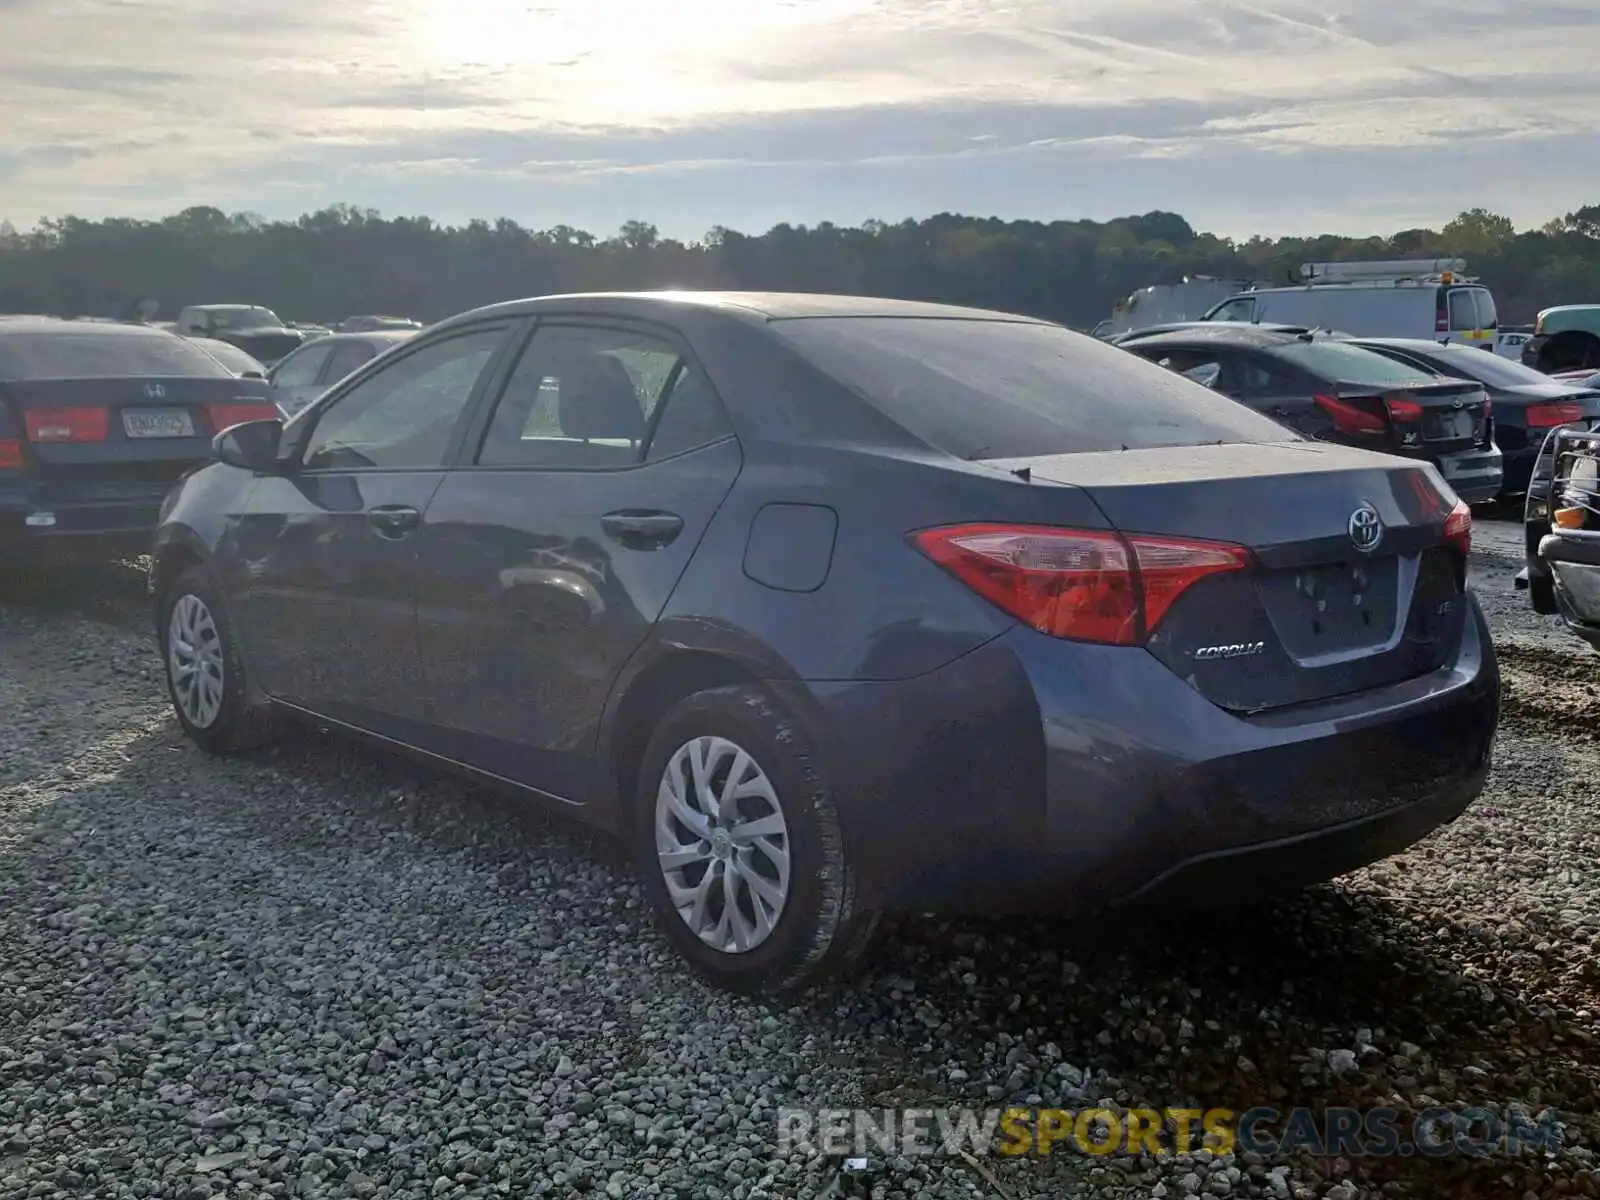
39, 528
1035, 775
1475, 475
1573, 565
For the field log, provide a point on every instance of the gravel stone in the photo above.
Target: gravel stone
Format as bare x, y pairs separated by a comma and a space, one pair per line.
319, 971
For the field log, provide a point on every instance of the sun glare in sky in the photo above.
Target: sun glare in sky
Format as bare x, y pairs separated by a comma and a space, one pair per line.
624, 60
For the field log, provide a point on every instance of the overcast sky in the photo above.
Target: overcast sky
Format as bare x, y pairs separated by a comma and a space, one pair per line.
1287, 116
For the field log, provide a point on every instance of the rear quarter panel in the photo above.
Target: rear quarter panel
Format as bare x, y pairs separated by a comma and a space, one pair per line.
882, 611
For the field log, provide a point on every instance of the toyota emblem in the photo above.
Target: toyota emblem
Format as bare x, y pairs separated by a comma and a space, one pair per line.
1366, 529
155, 391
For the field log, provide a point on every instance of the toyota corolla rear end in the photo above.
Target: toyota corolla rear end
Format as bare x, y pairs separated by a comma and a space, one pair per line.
1224, 669
1284, 679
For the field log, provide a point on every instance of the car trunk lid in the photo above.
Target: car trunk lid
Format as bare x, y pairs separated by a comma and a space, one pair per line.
141, 431
1352, 585
1416, 419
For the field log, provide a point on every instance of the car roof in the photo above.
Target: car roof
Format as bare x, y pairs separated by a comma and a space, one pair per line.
1420, 345
15, 326
364, 335
750, 306
1210, 332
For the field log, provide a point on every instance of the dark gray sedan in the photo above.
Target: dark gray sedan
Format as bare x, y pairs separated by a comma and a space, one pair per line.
840, 606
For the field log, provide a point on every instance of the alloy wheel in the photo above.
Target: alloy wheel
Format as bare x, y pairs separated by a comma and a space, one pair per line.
722, 844
194, 661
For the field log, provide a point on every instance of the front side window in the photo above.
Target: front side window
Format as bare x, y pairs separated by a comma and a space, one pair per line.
1241, 309
406, 414
581, 396
301, 368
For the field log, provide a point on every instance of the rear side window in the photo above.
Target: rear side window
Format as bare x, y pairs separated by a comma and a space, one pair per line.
346, 357
1349, 364
52, 355
999, 389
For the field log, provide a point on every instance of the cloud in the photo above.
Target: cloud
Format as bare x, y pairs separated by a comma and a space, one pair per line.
1280, 113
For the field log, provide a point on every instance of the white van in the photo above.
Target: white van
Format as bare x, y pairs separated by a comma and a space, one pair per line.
1428, 298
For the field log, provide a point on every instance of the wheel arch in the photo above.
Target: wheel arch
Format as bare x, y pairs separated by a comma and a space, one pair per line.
176, 550
670, 668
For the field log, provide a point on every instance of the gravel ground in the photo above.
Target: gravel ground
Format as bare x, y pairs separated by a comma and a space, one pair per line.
320, 972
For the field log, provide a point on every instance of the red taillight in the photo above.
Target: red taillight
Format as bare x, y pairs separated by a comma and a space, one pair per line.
1088, 585
1545, 416
1441, 319
224, 415
10, 454
67, 424
1458, 528
1348, 418
1402, 410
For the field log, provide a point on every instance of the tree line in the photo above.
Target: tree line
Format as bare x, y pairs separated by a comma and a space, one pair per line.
345, 260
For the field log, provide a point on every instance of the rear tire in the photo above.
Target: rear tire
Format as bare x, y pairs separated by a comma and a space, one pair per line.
205, 672
746, 872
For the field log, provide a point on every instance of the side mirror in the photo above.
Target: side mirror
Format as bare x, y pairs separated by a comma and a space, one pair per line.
250, 445
1206, 375
252, 375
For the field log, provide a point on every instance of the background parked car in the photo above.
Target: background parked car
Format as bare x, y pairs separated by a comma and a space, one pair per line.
841, 606
251, 327
1526, 404
1332, 390
1561, 530
315, 367
1565, 338
96, 423
240, 362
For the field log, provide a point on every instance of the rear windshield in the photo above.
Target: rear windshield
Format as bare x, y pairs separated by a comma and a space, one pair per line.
996, 389
1487, 368
230, 356
52, 355
1349, 364
1471, 308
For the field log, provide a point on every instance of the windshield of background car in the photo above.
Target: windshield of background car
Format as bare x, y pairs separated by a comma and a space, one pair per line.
1350, 364
998, 389
243, 318
104, 356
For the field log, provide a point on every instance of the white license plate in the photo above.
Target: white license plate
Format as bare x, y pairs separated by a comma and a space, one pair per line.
158, 423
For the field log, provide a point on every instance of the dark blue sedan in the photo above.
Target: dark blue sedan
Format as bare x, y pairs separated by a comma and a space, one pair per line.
838, 606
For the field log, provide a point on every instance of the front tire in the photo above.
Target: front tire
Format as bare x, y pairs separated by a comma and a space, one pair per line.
205, 672
739, 848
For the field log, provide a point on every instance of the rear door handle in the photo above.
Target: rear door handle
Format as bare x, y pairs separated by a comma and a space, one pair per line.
394, 520
642, 529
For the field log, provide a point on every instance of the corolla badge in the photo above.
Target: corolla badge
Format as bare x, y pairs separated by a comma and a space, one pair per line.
1233, 650
1366, 529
